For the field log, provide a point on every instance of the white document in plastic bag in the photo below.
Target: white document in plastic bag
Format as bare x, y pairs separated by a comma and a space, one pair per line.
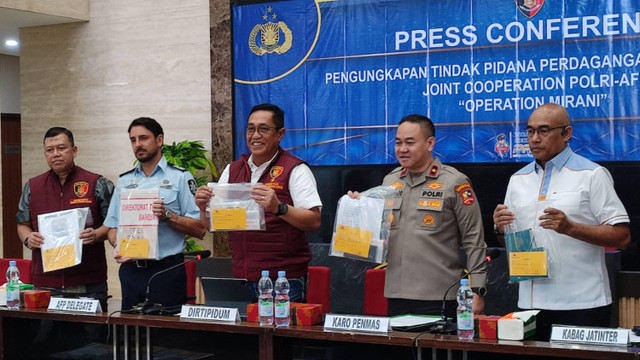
62, 247
138, 227
232, 208
361, 228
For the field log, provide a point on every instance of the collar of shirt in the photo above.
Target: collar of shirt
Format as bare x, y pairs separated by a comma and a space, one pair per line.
69, 175
161, 166
257, 171
558, 161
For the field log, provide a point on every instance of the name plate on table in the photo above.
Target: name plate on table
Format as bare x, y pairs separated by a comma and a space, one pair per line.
590, 335
75, 305
209, 313
372, 324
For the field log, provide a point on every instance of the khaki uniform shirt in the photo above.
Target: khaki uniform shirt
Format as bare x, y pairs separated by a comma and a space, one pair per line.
434, 214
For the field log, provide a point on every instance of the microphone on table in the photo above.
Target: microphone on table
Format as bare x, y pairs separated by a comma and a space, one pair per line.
150, 308
444, 326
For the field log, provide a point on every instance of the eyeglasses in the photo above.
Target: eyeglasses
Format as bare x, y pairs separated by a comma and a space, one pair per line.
262, 130
543, 130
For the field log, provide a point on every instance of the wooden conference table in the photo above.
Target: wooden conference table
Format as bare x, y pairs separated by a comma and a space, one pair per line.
267, 343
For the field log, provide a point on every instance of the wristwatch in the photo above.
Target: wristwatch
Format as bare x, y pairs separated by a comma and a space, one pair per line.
167, 215
282, 209
482, 291
26, 242
496, 230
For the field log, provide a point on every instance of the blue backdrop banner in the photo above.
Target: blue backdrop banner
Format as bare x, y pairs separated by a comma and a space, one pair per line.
346, 71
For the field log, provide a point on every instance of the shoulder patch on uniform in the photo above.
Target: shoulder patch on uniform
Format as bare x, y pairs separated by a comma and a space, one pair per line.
192, 186
126, 172
176, 167
466, 193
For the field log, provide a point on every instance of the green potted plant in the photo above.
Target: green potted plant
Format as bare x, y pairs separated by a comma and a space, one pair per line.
190, 155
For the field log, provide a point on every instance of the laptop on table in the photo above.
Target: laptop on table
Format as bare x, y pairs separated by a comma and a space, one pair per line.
227, 292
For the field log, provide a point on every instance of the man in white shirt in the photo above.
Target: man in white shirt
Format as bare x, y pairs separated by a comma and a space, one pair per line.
289, 195
585, 216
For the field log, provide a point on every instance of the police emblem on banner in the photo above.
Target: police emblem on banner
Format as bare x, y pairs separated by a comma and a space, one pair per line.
273, 40
529, 8
270, 37
502, 146
81, 188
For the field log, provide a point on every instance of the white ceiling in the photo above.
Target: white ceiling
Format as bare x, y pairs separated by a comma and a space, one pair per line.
11, 20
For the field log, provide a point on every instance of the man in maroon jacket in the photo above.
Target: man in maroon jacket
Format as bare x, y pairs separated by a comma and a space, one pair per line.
67, 186
289, 195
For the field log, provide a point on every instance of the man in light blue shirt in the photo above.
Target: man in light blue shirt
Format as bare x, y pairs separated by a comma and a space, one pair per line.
177, 213
582, 215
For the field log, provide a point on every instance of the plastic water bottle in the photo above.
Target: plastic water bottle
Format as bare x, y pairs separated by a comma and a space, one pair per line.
265, 299
13, 286
465, 311
282, 305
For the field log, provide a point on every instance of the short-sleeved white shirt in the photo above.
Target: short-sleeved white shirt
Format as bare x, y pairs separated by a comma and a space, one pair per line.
584, 191
302, 183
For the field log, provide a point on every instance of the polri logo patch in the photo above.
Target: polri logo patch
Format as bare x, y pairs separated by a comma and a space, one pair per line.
275, 172
81, 188
466, 193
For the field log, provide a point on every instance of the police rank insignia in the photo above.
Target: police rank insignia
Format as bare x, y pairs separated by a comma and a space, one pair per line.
434, 185
397, 185
529, 8
81, 188
274, 37
465, 192
430, 204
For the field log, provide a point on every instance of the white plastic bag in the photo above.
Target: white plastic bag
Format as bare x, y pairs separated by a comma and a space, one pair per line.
529, 245
138, 227
62, 247
232, 208
362, 226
